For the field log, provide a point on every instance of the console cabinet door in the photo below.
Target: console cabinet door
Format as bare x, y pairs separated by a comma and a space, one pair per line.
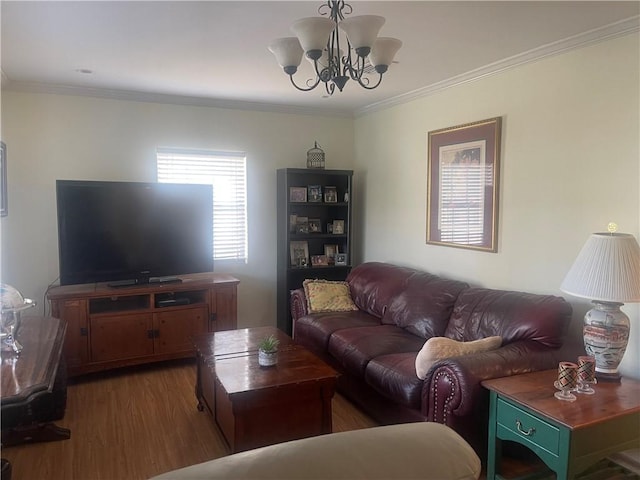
115, 337
174, 329
226, 307
76, 342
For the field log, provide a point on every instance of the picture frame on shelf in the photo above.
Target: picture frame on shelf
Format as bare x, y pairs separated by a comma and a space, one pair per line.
319, 261
330, 194
329, 227
293, 220
299, 253
315, 193
298, 194
302, 225
341, 259
331, 250
338, 227
315, 225
462, 184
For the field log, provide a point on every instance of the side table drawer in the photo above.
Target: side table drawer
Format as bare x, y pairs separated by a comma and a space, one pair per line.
529, 429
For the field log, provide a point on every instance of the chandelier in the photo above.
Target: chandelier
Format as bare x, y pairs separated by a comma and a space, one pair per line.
367, 55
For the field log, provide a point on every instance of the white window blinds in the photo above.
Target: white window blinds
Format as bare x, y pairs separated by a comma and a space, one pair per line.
227, 172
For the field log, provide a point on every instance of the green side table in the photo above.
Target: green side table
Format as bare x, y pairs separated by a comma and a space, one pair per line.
567, 436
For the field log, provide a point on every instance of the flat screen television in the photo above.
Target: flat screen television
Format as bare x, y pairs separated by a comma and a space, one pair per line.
126, 233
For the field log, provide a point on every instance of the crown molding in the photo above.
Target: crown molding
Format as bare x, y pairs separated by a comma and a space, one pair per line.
137, 96
608, 32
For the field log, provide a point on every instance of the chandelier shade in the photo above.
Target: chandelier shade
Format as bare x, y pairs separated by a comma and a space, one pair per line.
313, 33
362, 31
383, 51
340, 49
288, 52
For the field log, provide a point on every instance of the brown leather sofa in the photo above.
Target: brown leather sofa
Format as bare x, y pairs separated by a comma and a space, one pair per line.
375, 347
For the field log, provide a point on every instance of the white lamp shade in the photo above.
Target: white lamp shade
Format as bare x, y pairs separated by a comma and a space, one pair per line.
607, 269
362, 30
313, 32
287, 51
383, 51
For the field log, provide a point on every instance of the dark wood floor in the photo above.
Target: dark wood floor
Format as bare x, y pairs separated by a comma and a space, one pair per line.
136, 423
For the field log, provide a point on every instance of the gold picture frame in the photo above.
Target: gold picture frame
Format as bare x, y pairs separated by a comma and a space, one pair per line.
463, 184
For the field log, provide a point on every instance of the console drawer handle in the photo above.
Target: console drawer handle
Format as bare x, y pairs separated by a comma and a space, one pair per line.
529, 432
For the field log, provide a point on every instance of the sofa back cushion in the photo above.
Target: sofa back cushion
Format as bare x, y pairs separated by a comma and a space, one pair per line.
481, 312
374, 285
424, 306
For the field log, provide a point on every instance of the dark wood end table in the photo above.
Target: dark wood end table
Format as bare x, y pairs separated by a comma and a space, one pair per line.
567, 436
33, 384
256, 406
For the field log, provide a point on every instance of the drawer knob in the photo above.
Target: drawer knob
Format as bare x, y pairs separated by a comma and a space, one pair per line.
526, 433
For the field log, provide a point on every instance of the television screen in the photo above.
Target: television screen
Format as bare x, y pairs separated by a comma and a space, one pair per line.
130, 232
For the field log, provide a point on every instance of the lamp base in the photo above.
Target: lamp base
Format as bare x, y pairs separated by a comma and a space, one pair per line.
608, 377
606, 334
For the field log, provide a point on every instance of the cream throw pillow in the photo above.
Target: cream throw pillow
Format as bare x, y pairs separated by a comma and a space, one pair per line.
327, 296
437, 348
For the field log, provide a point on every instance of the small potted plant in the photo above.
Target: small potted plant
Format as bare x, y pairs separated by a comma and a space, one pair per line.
268, 351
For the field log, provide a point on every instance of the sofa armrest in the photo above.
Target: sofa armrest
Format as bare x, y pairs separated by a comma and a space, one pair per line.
298, 304
452, 387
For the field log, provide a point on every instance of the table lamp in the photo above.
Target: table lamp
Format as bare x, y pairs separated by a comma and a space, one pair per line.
606, 271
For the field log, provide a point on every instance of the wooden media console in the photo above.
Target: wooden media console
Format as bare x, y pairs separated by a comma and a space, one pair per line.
114, 327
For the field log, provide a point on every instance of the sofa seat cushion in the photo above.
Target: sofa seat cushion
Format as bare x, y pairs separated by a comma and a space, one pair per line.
394, 376
425, 305
353, 348
316, 329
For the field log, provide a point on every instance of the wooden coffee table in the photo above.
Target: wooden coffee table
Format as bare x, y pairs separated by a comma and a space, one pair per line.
256, 406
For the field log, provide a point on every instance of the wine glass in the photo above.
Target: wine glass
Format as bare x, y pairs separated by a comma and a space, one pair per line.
567, 381
586, 374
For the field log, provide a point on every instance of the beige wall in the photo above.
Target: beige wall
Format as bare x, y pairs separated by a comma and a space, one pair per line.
570, 165
53, 137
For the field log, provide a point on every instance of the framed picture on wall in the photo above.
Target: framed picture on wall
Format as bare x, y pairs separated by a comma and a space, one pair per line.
462, 185
4, 207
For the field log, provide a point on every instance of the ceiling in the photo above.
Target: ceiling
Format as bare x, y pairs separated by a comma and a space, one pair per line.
215, 52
